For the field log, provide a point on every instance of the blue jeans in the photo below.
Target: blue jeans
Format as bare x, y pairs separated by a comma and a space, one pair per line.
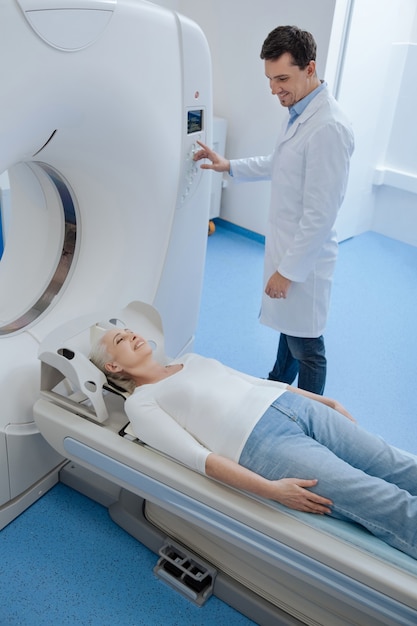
368, 481
302, 356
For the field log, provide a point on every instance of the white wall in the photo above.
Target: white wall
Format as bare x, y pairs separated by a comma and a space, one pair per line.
373, 84
396, 194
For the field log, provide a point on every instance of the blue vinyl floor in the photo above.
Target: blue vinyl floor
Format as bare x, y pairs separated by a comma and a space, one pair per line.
63, 561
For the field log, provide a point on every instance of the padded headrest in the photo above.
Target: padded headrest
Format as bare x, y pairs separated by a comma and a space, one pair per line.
65, 351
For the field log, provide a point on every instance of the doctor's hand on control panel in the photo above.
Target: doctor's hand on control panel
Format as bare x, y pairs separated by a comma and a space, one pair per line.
308, 170
218, 163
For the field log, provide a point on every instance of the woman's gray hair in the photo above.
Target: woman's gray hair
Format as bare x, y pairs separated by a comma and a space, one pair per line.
99, 356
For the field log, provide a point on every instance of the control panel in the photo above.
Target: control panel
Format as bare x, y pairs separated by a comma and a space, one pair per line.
191, 170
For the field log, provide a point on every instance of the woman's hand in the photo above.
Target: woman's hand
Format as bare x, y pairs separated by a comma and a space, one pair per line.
294, 493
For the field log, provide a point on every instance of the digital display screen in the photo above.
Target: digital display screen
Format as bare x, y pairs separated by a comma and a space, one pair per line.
194, 121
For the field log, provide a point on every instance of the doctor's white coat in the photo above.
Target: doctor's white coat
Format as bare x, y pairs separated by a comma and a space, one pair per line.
308, 171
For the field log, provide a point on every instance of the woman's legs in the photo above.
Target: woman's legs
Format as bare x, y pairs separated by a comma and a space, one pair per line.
368, 481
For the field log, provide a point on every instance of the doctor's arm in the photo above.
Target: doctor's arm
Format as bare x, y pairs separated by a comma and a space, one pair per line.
292, 492
242, 170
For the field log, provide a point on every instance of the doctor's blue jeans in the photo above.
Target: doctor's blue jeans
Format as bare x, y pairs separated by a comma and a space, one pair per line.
368, 481
303, 356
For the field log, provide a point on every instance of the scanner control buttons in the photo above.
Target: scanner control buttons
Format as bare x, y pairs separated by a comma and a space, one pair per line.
191, 173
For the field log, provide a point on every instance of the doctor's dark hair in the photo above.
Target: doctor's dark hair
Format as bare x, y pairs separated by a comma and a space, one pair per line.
299, 43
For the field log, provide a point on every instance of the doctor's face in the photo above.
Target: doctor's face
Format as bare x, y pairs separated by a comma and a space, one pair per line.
288, 81
126, 348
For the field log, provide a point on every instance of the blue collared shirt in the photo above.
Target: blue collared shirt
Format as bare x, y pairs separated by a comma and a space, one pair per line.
302, 104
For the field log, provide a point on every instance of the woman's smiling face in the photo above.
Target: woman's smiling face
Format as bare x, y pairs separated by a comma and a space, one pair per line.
126, 348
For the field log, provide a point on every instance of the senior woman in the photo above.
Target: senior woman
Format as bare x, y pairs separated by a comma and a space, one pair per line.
265, 437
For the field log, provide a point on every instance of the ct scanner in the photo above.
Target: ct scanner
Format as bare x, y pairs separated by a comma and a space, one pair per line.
101, 104
97, 128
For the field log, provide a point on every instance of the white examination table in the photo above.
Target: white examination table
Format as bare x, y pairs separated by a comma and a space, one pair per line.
275, 565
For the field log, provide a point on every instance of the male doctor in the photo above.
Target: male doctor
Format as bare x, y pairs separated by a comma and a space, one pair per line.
308, 171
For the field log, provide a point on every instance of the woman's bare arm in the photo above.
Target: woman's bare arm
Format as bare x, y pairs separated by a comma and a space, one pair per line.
334, 404
292, 492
